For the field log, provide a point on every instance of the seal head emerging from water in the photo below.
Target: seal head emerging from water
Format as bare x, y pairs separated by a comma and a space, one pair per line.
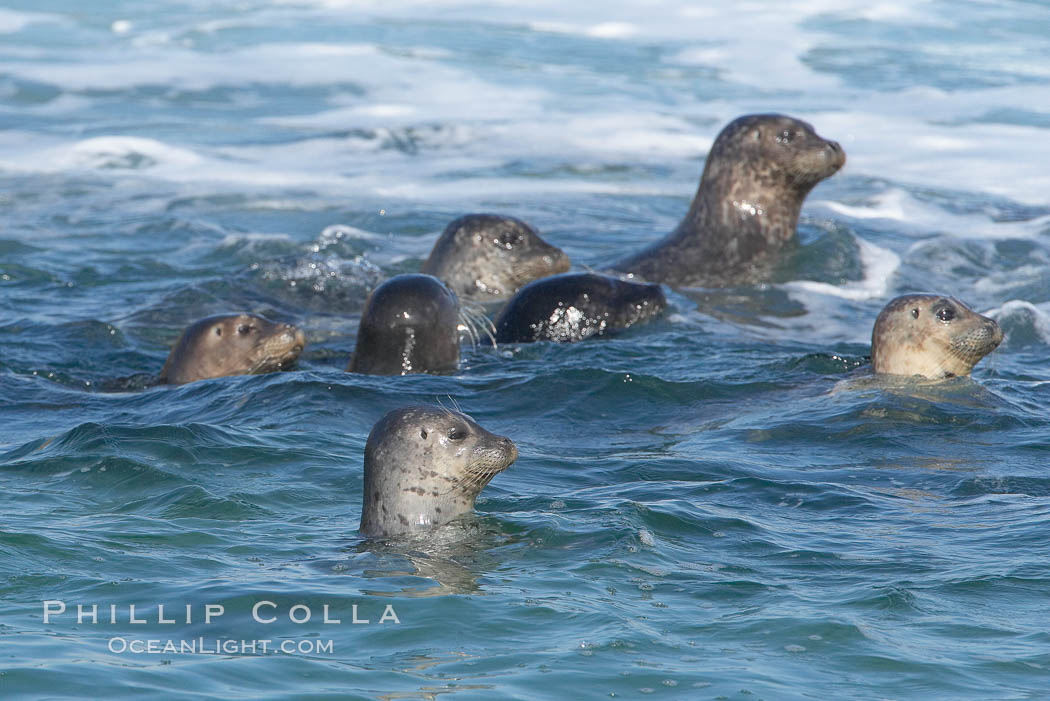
576, 306
484, 257
231, 344
759, 170
932, 336
410, 324
425, 466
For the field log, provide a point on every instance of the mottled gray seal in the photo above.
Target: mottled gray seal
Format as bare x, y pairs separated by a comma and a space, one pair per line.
932, 336
231, 344
575, 306
410, 324
425, 466
485, 257
759, 170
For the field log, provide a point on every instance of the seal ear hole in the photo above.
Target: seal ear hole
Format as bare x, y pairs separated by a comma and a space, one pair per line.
915, 312
218, 330
423, 434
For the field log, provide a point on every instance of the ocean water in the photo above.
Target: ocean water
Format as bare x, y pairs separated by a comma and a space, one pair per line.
709, 507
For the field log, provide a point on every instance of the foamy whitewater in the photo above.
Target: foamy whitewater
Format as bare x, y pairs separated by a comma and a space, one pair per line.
701, 508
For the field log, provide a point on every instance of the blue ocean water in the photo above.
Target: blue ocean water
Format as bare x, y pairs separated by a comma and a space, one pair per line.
709, 507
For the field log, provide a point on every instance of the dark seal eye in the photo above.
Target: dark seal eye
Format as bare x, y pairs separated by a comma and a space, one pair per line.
786, 136
945, 314
456, 434
915, 312
508, 240
243, 329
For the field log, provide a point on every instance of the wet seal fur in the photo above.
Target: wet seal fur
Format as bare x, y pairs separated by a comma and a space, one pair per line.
410, 324
231, 344
424, 466
932, 336
575, 306
746, 209
485, 257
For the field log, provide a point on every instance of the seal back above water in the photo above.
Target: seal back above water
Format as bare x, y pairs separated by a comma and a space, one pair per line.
410, 324
575, 306
485, 257
424, 466
231, 344
746, 209
932, 336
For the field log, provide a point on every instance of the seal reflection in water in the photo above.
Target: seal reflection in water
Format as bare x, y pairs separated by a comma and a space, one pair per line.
410, 324
484, 257
231, 344
932, 336
424, 466
758, 172
576, 306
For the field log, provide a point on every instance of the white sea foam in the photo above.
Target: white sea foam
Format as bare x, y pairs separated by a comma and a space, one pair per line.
879, 266
12, 21
468, 118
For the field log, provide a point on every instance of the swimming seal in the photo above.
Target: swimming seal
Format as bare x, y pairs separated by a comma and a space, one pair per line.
485, 257
425, 466
410, 324
759, 170
231, 344
932, 336
575, 306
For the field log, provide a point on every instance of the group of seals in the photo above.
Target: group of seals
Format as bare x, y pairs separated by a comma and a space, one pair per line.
425, 466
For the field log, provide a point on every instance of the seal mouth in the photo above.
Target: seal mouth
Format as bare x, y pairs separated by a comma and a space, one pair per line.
488, 463
280, 351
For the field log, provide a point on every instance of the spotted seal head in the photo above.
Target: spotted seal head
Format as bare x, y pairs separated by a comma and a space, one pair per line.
231, 344
932, 336
575, 306
424, 466
410, 324
485, 257
746, 209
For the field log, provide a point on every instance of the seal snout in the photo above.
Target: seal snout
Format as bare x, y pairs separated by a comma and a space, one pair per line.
835, 153
509, 449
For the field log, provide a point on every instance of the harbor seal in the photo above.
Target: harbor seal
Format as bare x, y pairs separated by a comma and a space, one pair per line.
410, 324
425, 466
575, 306
231, 344
758, 172
485, 257
932, 336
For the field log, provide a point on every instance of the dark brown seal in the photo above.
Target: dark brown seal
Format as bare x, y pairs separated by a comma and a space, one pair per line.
424, 466
759, 170
410, 324
575, 306
231, 344
932, 336
485, 257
